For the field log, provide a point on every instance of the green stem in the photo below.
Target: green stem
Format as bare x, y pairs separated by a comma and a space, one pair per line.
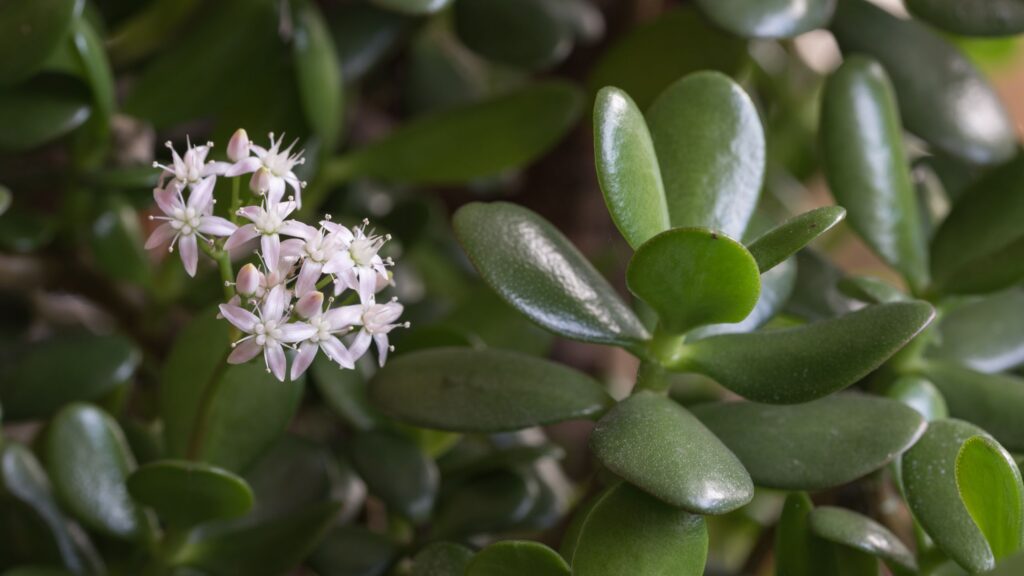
236, 199
667, 350
651, 376
227, 271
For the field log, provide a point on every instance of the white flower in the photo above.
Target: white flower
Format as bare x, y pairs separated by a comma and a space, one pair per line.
191, 169
271, 170
268, 221
238, 146
319, 246
355, 266
183, 221
327, 325
376, 321
268, 331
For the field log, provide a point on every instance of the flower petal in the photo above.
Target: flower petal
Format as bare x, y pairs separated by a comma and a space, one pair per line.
336, 351
239, 317
250, 212
275, 192
302, 360
215, 168
167, 197
160, 236
308, 276
245, 166
271, 246
273, 353
296, 332
189, 253
201, 198
360, 344
275, 303
292, 249
383, 347
297, 229
344, 316
216, 226
244, 351
240, 236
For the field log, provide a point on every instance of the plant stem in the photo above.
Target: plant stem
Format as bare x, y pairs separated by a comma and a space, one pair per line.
236, 199
667, 350
651, 376
227, 272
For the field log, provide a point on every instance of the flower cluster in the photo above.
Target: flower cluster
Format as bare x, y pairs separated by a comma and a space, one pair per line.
276, 302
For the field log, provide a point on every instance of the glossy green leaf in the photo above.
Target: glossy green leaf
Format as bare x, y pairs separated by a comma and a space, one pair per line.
117, 242
871, 290
776, 245
776, 287
656, 444
990, 486
815, 294
530, 264
711, 149
30, 30
413, 7
986, 335
41, 110
319, 73
867, 169
517, 557
184, 493
768, 18
921, 395
857, 531
458, 145
694, 43
441, 559
88, 460
942, 97
781, 446
397, 472
353, 551
992, 401
64, 369
977, 247
488, 504
797, 552
467, 390
627, 168
526, 34
985, 18
799, 364
629, 532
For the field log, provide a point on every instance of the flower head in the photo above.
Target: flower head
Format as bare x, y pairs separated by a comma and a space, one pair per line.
268, 330
191, 169
328, 326
185, 220
268, 221
271, 169
358, 264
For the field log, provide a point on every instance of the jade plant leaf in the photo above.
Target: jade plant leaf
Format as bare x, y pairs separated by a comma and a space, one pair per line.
467, 390
457, 145
992, 401
531, 265
627, 168
319, 73
921, 395
776, 287
776, 245
89, 461
792, 365
30, 30
857, 531
517, 557
769, 18
527, 34
397, 472
657, 445
41, 110
943, 98
693, 276
117, 242
345, 392
413, 7
184, 493
441, 559
867, 169
355, 551
488, 504
986, 335
626, 531
990, 486
988, 18
797, 551
711, 149
781, 446
871, 290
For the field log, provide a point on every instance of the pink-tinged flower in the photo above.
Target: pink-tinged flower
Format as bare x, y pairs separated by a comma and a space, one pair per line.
376, 321
238, 146
271, 170
184, 220
319, 246
191, 169
267, 331
327, 325
355, 266
268, 221
248, 280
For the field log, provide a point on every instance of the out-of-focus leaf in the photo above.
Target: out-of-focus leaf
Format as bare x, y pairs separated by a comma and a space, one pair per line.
517, 557
871, 290
41, 110
97, 74
467, 390
797, 552
653, 443
921, 395
149, 28
353, 551
184, 493
530, 264
986, 335
364, 35
711, 149
815, 293
5, 199
441, 559
117, 242
413, 7
345, 392
782, 447
992, 401
987, 18
776, 245
319, 73
990, 486
488, 504
768, 18
857, 531
397, 472
30, 30
526, 34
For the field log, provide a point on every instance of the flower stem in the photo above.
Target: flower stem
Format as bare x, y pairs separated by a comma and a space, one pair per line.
236, 199
223, 259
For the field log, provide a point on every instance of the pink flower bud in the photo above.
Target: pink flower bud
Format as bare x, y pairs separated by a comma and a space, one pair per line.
310, 305
260, 181
248, 280
238, 146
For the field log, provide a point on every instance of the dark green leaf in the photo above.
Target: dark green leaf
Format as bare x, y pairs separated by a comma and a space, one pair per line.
344, 392
149, 28
526, 34
627, 168
985, 18
117, 241
990, 486
441, 559
710, 146
769, 18
782, 447
397, 472
792, 365
184, 493
867, 170
30, 30
41, 110
657, 445
488, 504
921, 395
986, 335
871, 290
775, 246
536, 269
413, 7
992, 401
365, 35
96, 72
797, 552
515, 558
815, 294
353, 551
319, 73
857, 531
942, 97
468, 390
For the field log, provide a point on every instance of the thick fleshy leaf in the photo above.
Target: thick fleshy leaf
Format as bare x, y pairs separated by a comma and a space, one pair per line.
711, 149
526, 34
353, 551
776, 287
64, 369
397, 472
694, 43
768, 18
88, 460
921, 395
656, 444
458, 145
871, 290
530, 264
41, 110
942, 97
781, 446
441, 559
184, 493
488, 504
345, 392
986, 335
117, 242
467, 390
992, 401
413, 7
776, 245
857, 531
319, 73
797, 552
816, 295
867, 169
990, 486
627, 168
626, 531
694, 276
515, 558
985, 18
30, 30
977, 247
792, 365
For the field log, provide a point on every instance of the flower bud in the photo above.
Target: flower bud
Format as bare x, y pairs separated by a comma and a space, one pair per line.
260, 181
310, 305
238, 146
248, 280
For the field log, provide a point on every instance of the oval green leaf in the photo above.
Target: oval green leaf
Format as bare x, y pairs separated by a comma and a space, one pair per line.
441, 559
627, 168
466, 390
921, 395
397, 472
353, 551
986, 335
711, 149
319, 73
871, 290
768, 18
797, 551
776, 245
345, 393
530, 264
867, 169
41, 110
799, 364
992, 401
184, 493
859, 532
30, 30
990, 486
488, 504
776, 287
527, 34
985, 18
781, 446
515, 558
117, 242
